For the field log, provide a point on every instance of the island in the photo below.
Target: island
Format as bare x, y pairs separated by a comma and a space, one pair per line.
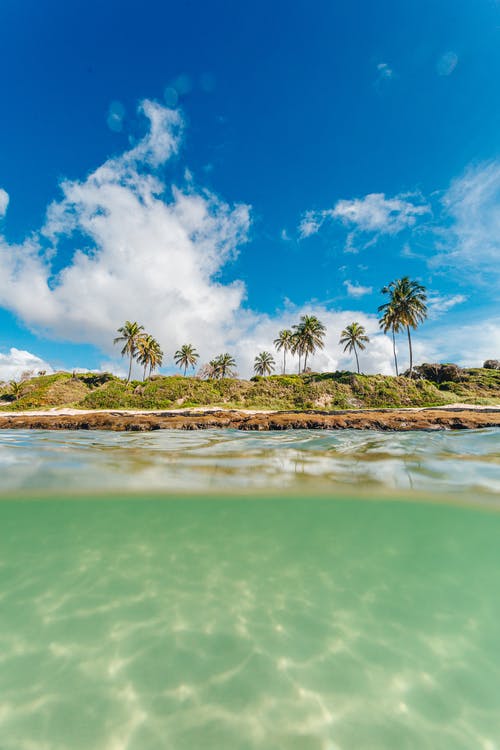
447, 397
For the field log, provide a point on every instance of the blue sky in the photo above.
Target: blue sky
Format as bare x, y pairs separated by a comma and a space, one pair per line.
289, 157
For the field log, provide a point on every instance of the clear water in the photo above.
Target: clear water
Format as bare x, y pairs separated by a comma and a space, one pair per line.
289, 613
228, 460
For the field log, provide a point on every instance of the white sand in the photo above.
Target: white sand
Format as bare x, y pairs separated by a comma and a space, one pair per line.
207, 409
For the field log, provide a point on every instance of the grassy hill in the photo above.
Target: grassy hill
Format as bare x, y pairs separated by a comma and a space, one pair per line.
322, 391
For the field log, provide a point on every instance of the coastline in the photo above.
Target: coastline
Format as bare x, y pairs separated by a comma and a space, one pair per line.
453, 417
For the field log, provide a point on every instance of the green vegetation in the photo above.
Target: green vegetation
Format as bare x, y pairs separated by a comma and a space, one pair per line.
186, 356
390, 321
354, 337
16, 389
284, 343
264, 363
406, 308
222, 366
308, 336
216, 383
478, 386
50, 391
130, 333
317, 391
148, 353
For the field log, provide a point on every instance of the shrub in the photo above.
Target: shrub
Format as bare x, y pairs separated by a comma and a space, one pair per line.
492, 364
436, 373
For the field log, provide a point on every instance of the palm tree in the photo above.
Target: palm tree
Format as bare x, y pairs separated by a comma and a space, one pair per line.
16, 389
148, 353
207, 371
130, 333
308, 336
185, 356
284, 342
297, 346
390, 322
155, 357
354, 337
264, 363
223, 366
143, 348
408, 299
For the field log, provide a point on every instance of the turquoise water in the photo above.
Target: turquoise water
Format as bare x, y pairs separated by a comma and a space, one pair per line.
228, 460
289, 613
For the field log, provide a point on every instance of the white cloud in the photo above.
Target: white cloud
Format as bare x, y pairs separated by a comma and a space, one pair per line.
17, 361
260, 331
376, 213
438, 304
447, 63
384, 70
384, 73
464, 226
116, 367
311, 223
472, 207
116, 114
357, 290
373, 214
150, 252
477, 342
466, 345
4, 202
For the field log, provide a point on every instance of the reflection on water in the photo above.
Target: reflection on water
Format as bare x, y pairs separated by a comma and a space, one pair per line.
172, 460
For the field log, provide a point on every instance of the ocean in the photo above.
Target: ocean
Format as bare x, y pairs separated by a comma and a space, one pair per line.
274, 591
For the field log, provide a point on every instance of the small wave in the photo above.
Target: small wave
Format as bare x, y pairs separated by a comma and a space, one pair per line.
218, 460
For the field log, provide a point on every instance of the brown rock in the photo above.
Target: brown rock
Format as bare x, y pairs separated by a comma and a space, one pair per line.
382, 419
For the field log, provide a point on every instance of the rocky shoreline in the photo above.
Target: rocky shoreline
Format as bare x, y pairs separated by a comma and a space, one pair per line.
452, 418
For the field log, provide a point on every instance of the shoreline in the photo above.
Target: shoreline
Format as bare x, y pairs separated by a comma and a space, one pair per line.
452, 417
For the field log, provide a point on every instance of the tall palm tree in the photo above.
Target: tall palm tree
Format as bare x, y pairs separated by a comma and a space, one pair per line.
389, 321
264, 363
130, 333
408, 299
297, 346
223, 366
309, 334
284, 342
142, 349
148, 353
155, 358
186, 356
354, 337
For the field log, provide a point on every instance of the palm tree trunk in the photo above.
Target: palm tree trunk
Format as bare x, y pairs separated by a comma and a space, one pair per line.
411, 351
357, 360
300, 356
145, 368
305, 361
284, 360
185, 368
394, 350
129, 368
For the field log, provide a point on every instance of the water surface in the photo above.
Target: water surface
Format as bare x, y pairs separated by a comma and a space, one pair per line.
289, 618
230, 460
